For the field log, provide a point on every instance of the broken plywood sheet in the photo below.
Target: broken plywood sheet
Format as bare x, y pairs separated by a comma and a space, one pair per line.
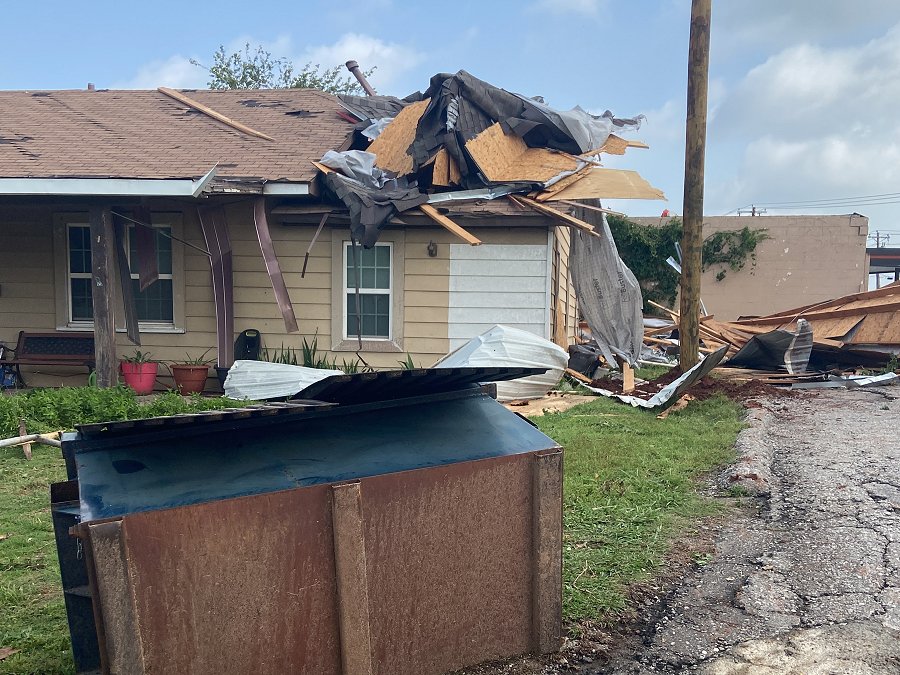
616, 145
882, 328
834, 328
390, 148
506, 158
562, 183
600, 183
446, 171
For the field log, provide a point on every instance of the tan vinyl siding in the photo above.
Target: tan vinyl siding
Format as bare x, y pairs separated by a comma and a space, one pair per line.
28, 287
26, 275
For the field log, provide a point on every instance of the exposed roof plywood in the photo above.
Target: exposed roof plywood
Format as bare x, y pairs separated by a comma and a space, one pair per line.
390, 148
883, 328
833, 328
506, 158
600, 183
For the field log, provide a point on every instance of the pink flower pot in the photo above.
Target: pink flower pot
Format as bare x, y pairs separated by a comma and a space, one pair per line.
139, 376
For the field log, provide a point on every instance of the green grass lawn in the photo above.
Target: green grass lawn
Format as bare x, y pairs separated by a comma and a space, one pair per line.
629, 485
628, 489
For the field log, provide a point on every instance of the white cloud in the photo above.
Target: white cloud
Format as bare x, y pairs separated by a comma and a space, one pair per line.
778, 23
810, 123
389, 59
570, 6
176, 71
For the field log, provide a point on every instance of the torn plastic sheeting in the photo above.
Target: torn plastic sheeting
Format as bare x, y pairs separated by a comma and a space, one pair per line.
261, 380
608, 293
672, 391
503, 346
358, 165
374, 130
777, 349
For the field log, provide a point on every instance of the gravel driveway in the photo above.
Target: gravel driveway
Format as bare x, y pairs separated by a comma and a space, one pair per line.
808, 581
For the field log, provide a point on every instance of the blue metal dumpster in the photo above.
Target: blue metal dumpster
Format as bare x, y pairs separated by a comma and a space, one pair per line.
400, 523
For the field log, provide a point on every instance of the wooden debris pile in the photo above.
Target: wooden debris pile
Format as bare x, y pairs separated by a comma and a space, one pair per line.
854, 332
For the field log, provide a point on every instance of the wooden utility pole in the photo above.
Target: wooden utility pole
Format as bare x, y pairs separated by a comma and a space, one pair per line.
694, 154
102, 277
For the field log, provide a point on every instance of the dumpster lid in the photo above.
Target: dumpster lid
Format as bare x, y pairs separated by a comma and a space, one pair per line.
359, 388
387, 385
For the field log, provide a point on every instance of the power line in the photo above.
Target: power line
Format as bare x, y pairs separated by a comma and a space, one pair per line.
838, 199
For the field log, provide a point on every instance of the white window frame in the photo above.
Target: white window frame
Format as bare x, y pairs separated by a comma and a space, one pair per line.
397, 238
347, 258
64, 321
70, 321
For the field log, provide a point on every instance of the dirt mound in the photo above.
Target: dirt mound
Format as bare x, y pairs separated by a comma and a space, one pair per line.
701, 390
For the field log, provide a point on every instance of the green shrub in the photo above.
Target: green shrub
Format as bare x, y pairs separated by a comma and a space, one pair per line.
46, 410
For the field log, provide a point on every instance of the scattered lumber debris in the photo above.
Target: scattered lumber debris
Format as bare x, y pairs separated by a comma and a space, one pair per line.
807, 347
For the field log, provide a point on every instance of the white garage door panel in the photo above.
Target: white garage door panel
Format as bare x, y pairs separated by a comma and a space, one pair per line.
498, 252
497, 268
463, 284
490, 284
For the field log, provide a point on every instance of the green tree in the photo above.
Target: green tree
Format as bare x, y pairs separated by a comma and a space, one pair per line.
258, 69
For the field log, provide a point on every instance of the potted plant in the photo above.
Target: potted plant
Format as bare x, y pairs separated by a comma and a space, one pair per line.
190, 375
139, 372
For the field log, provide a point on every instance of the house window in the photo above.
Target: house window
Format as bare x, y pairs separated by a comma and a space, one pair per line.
159, 308
156, 303
375, 292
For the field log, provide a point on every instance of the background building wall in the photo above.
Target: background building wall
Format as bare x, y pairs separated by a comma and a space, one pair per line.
808, 259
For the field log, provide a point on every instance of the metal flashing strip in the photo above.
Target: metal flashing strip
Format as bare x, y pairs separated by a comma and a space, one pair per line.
286, 189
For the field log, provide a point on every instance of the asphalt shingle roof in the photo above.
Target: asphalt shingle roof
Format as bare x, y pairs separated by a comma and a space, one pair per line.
146, 134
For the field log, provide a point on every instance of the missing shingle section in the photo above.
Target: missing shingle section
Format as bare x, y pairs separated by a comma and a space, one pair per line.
303, 113
12, 140
256, 103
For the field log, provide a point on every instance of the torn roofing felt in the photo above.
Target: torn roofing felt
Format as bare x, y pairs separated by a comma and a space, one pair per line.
464, 135
372, 208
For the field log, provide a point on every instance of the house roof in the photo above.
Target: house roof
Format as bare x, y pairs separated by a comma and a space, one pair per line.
149, 135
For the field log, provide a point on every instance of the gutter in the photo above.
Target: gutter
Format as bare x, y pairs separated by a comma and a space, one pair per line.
132, 187
108, 187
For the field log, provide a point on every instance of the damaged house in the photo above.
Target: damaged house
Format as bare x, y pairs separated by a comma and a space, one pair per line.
248, 229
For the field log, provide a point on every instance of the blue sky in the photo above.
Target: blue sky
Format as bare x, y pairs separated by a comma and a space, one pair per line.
804, 94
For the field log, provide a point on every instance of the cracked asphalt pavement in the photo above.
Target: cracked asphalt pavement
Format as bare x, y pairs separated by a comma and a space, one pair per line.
808, 581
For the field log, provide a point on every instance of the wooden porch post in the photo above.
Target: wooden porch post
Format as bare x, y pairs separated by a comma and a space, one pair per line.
103, 276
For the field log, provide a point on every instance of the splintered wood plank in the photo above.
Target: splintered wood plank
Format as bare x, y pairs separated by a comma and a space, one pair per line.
390, 148
565, 218
441, 173
449, 225
209, 112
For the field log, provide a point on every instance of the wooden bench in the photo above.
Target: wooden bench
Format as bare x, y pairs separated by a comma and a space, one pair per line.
53, 348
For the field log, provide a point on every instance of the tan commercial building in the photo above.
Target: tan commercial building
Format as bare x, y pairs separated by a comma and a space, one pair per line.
806, 259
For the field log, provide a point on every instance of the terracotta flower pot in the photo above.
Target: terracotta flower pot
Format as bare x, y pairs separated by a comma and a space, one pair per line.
139, 376
190, 379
